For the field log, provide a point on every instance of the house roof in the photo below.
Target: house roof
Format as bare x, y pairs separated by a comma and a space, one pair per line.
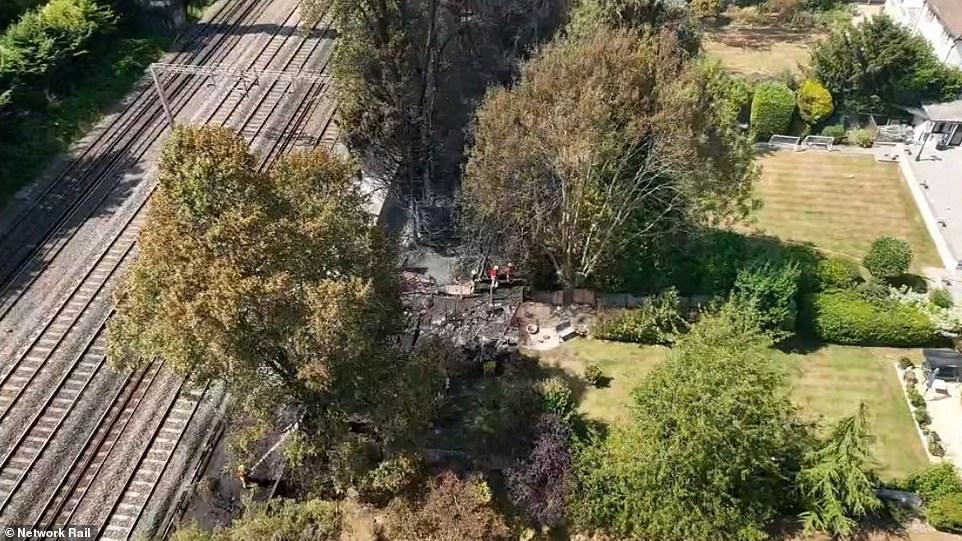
950, 13
950, 111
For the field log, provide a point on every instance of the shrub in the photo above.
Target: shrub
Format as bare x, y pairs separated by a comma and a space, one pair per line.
836, 131
706, 8
595, 376
746, 16
450, 508
538, 484
38, 52
875, 292
945, 513
915, 397
905, 362
785, 11
556, 397
941, 298
770, 287
659, 321
922, 417
888, 257
772, 109
935, 444
910, 378
814, 102
489, 368
862, 138
936, 481
837, 273
844, 317
389, 478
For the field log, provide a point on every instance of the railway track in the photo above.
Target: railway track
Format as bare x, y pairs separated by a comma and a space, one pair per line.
40, 232
48, 419
97, 448
47, 354
91, 290
140, 485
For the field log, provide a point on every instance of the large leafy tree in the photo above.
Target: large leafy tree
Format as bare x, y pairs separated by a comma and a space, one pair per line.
278, 285
609, 137
837, 483
710, 451
408, 74
879, 63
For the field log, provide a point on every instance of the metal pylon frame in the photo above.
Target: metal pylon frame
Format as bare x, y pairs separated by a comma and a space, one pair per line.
214, 71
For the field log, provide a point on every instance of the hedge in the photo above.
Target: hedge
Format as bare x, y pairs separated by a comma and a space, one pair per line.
844, 317
39, 52
772, 109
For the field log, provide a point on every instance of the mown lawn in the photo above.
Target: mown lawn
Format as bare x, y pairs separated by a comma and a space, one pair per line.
626, 365
839, 203
828, 383
759, 52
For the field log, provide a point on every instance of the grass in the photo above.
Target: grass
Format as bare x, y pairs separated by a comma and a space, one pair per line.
29, 142
759, 52
828, 383
839, 203
626, 365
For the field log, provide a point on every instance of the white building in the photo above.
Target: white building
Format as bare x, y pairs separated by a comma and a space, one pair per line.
938, 21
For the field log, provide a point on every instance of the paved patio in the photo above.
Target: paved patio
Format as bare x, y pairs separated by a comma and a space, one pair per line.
936, 184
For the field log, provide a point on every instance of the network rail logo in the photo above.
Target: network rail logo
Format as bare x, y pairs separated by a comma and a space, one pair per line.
72, 533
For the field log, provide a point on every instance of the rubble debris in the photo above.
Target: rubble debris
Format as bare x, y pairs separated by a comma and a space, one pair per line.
469, 320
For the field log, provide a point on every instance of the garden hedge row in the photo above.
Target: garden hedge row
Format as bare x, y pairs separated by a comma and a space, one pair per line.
845, 317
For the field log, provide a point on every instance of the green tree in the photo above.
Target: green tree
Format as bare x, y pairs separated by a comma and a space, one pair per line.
772, 108
880, 62
836, 482
607, 139
278, 520
38, 52
408, 73
814, 102
713, 441
888, 257
279, 285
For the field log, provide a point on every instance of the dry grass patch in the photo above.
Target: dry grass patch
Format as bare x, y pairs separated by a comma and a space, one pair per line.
839, 203
760, 51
